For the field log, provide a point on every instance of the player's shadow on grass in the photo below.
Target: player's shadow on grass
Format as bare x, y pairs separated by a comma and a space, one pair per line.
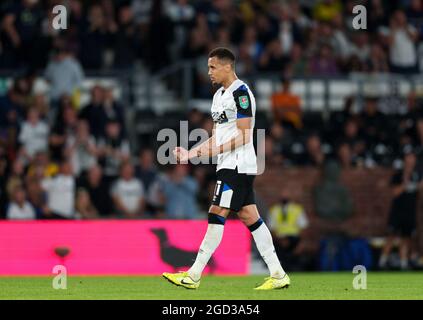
175, 257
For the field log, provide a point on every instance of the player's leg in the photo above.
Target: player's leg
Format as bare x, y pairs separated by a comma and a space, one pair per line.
386, 250
191, 279
216, 222
262, 237
404, 251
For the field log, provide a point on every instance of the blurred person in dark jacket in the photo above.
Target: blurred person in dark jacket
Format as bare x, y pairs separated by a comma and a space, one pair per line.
405, 185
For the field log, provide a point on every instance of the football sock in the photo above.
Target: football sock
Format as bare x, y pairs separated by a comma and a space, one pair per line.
404, 263
264, 243
210, 243
383, 260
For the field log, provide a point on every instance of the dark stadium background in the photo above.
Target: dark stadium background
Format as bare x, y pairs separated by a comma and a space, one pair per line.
351, 97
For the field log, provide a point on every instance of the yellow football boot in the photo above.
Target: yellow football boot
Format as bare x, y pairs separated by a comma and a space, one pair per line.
274, 283
181, 279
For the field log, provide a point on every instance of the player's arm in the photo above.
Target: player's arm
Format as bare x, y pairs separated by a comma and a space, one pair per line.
243, 106
204, 148
242, 138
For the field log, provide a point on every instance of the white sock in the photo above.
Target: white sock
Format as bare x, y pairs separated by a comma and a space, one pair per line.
264, 242
404, 263
210, 243
383, 260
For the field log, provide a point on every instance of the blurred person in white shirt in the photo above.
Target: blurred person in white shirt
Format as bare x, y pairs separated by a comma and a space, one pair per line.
60, 193
128, 193
401, 38
33, 136
19, 208
81, 148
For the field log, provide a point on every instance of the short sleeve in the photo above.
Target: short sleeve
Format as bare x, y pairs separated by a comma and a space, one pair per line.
242, 102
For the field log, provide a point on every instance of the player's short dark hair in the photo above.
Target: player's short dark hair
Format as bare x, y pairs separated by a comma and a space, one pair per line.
223, 54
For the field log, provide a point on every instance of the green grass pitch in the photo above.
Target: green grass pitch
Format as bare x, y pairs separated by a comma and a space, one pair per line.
380, 285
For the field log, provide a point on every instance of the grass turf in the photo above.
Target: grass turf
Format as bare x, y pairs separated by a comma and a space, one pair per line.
380, 285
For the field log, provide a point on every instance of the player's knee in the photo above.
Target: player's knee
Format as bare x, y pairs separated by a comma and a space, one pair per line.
249, 218
217, 215
216, 219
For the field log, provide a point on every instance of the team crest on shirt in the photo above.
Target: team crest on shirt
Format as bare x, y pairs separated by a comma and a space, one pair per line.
243, 102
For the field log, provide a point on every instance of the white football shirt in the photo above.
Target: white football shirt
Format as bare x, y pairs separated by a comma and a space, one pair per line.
129, 191
236, 102
60, 194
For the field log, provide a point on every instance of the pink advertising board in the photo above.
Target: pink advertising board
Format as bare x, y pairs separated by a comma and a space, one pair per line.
118, 247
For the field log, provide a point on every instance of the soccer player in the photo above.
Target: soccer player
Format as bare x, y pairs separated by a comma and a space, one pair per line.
233, 111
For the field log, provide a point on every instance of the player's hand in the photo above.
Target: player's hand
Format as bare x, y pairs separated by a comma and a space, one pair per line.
181, 154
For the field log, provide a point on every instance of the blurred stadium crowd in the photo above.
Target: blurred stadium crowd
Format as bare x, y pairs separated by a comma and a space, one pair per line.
305, 37
60, 159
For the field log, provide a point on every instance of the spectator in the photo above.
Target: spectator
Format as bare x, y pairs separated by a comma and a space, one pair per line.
406, 184
354, 139
361, 47
252, 46
19, 208
83, 206
282, 140
16, 178
267, 28
125, 45
269, 150
288, 30
298, 65
63, 129
94, 113
377, 61
64, 73
13, 105
373, 123
147, 173
21, 25
37, 196
287, 222
286, 106
337, 119
273, 59
182, 15
95, 39
314, 155
324, 64
42, 167
98, 190
128, 194
160, 36
33, 136
81, 148
41, 105
332, 199
401, 38
327, 10
146, 170
339, 40
112, 111
113, 150
345, 156
180, 192
3, 181
60, 193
